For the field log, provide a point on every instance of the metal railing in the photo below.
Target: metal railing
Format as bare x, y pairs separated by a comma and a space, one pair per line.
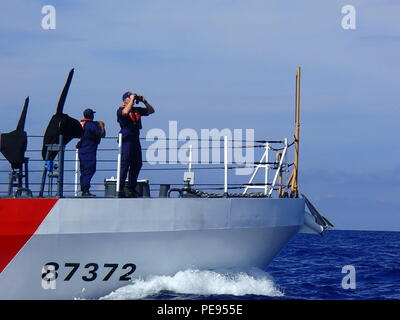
267, 185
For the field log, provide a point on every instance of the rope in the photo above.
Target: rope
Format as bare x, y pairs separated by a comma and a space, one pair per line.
283, 148
202, 194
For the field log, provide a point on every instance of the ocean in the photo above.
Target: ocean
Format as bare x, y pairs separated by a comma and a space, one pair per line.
340, 265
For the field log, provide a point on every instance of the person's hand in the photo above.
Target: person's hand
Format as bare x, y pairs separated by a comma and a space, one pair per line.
132, 97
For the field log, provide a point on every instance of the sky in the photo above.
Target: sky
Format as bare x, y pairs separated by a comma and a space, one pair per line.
227, 64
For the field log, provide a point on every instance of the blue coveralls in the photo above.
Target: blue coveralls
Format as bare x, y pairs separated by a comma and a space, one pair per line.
131, 157
87, 153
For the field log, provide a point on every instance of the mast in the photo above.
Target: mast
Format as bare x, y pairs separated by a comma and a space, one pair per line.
295, 186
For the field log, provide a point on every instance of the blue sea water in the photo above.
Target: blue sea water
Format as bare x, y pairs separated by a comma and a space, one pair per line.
309, 267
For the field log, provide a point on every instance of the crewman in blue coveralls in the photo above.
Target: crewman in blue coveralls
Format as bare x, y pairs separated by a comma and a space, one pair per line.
93, 131
129, 118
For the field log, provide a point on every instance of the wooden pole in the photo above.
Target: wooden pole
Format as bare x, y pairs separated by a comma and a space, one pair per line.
295, 186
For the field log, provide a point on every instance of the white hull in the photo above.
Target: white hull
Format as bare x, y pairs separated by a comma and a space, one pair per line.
157, 236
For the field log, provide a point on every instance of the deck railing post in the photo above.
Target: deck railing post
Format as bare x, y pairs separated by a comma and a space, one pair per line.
190, 158
279, 168
266, 168
76, 171
226, 165
60, 178
119, 163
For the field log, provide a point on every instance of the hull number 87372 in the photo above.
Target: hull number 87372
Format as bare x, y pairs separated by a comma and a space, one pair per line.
51, 272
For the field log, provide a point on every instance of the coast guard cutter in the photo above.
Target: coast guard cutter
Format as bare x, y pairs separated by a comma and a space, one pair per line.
58, 247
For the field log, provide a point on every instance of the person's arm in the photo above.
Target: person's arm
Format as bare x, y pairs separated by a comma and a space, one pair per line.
128, 108
102, 128
149, 107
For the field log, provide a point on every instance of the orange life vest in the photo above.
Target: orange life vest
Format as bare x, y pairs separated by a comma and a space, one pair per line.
83, 122
133, 115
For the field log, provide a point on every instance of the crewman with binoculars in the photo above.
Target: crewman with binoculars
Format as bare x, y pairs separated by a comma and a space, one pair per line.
129, 118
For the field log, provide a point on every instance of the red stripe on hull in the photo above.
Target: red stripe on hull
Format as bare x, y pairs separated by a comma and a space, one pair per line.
19, 220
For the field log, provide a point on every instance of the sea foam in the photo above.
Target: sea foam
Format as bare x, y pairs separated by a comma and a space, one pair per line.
201, 282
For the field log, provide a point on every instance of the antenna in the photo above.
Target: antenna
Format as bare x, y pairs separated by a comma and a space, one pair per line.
13, 146
64, 93
60, 130
21, 122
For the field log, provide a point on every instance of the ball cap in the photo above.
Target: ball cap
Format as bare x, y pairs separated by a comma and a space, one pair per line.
126, 95
88, 113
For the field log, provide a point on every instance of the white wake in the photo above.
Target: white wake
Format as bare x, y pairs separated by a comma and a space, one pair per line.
201, 282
